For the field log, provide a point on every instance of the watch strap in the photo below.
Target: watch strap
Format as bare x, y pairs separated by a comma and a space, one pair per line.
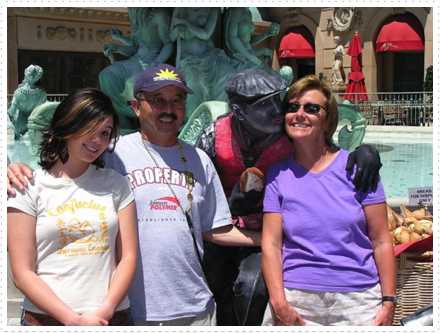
393, 299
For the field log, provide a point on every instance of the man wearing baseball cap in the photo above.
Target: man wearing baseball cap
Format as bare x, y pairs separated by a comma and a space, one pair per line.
180, 202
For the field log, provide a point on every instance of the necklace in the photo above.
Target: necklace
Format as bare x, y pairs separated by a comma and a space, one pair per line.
189, 178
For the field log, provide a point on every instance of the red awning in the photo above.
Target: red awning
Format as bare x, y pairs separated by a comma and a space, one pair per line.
401, 33
299, 43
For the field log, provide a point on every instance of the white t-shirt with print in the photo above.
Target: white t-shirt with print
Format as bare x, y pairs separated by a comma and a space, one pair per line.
76, 229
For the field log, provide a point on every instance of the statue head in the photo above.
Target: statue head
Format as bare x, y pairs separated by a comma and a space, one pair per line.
254, 97
337, 40
33, 73
287, 73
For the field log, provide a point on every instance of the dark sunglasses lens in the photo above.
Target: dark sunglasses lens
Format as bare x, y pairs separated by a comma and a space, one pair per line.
312, 107
292, 107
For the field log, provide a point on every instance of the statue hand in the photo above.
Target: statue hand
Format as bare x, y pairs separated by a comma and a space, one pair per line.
367, 160
274, 29
241, 204
177, 21
182, 31
115, 33
109, 49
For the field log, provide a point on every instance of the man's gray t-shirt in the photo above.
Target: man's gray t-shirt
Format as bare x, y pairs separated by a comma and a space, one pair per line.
169, 282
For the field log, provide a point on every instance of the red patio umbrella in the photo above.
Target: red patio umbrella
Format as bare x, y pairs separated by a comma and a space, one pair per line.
356, 80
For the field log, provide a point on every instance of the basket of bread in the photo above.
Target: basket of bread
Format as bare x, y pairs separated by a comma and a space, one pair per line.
411, 232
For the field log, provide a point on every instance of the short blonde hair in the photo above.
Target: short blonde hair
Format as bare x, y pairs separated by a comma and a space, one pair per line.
311, 82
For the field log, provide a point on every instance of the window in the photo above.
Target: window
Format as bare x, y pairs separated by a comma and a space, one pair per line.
63, 71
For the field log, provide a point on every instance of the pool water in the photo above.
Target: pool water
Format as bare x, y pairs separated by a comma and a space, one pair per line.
405, 165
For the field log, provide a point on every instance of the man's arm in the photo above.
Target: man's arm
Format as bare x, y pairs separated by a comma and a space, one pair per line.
16, 173
230, 235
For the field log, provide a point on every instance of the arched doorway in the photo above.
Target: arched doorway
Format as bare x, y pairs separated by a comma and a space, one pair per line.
297, 50
400, 54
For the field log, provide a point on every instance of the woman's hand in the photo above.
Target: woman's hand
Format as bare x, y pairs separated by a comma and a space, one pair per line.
287, 316
385, 315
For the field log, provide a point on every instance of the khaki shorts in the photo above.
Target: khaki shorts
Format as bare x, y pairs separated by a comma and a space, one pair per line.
319, 308
207, 319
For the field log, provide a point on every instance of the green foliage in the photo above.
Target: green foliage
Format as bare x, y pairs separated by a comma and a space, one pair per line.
428, 84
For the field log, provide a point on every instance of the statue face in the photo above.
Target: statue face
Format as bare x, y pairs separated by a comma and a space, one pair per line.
263, 118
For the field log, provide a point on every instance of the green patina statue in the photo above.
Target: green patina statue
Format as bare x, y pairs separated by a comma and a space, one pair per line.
148, 45
206, 68
26, 97
351, 139
239, 38
192, 30
39, 119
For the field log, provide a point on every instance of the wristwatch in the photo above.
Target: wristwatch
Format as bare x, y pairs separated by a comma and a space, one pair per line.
393, 299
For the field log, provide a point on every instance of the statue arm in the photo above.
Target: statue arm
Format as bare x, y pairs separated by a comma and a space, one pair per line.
174, 31
116, 35
12, 109
126, 50
265, 52
163, 28
164, 54
273, 30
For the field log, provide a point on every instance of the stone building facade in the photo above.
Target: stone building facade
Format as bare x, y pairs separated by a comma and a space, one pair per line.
70, 41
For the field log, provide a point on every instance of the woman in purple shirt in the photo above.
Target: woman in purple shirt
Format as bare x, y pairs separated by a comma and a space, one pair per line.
327, 253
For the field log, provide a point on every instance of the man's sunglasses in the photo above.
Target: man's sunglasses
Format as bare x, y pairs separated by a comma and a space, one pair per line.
311, 108
161, 103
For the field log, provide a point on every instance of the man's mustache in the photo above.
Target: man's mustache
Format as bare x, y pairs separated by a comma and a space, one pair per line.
165, 114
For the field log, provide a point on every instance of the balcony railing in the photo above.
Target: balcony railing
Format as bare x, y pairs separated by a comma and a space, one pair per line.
406, 109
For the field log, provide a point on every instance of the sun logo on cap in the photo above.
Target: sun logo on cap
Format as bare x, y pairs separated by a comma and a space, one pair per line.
166, 74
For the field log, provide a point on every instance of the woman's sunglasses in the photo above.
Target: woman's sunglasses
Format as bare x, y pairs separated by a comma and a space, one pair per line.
311, 108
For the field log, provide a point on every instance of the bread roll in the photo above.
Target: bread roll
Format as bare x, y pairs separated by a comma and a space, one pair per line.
252, 179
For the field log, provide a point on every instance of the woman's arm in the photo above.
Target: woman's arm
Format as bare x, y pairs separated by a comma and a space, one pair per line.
126, 246
21, 247
376, 216
271, 244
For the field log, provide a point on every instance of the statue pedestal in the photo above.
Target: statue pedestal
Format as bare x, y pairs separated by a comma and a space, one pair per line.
337, 89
